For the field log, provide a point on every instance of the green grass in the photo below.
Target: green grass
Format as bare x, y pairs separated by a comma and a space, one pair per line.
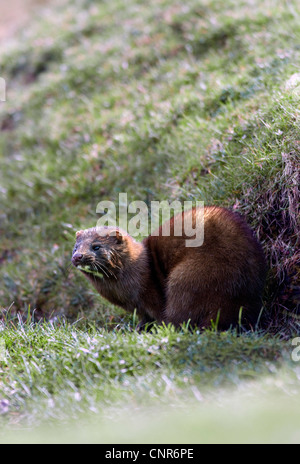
264, 414
56, 373
167, 100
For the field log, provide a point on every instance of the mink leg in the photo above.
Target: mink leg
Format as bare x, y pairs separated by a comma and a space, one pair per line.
145, 324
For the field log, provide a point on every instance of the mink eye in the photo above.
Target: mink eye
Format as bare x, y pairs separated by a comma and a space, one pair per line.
96, 247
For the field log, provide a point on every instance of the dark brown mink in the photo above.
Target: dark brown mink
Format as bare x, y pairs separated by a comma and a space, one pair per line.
165, 280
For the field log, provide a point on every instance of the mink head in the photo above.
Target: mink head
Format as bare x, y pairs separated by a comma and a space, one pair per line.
100, 251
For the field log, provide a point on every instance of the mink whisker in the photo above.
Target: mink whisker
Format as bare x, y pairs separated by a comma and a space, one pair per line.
101, 268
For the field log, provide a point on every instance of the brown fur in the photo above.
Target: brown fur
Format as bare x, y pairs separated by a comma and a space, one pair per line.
166, 281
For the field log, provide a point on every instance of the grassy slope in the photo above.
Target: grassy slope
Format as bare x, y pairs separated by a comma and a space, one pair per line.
171, 101
168, 100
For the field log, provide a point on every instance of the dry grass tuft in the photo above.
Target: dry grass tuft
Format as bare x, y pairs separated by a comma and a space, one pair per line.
278, 227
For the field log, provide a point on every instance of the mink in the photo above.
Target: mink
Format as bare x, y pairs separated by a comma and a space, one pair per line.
221, 280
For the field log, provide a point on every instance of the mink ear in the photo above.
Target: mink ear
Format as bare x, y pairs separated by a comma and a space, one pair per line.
117, 234
79, 233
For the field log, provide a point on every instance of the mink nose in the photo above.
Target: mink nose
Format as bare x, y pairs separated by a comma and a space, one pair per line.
77, 258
